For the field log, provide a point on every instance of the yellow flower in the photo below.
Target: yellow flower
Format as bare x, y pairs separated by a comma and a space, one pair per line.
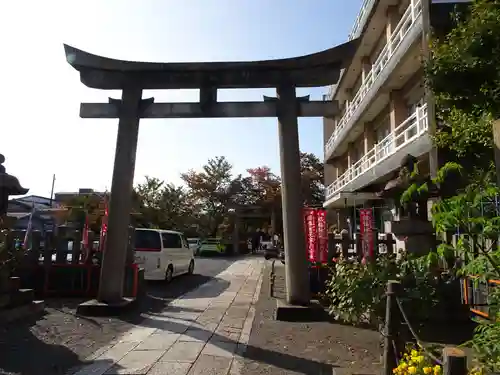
419, 359
437, 370
412, 370
414, 353
427, 370
403, 366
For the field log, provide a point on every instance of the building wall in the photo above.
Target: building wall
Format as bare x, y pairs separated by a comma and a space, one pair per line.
402, 103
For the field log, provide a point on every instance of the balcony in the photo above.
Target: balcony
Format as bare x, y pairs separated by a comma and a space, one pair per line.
405, 33
410, 137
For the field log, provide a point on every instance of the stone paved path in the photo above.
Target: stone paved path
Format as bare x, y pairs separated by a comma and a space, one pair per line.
203, 332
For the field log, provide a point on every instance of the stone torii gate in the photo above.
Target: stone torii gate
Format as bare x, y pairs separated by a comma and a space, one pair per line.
319, 69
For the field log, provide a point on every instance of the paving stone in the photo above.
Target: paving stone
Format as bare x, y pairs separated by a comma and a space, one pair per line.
220, 348
223, 335
136, 362
183, 351
170, 368
206, 338
118, 351
209, 327
236, 366
195, 334
210, 365
97, 367
138, 334
234, 323
158, 341
170, 325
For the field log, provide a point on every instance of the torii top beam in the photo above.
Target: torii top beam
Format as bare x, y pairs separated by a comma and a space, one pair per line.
318, 69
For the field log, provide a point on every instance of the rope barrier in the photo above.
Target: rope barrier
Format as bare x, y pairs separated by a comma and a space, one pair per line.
414, 334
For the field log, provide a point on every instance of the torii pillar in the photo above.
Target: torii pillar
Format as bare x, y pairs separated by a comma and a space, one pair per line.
296, 265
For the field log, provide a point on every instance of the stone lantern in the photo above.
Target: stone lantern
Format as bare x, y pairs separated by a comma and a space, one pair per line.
9, 185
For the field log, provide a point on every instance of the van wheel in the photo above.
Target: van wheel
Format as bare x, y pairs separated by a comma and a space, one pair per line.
191, 267
169, 275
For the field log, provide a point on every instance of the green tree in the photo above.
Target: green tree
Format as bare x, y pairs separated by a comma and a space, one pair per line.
313, 179
163, 205
464, 76
214, 189
83, 206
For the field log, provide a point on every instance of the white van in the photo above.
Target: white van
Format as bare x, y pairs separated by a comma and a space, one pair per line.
163, 253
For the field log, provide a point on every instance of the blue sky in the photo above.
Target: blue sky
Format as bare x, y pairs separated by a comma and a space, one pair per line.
41, 133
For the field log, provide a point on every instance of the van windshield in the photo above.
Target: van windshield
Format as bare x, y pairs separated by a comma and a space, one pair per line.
147, 240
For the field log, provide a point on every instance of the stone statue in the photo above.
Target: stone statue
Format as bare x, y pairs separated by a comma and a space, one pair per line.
9, 185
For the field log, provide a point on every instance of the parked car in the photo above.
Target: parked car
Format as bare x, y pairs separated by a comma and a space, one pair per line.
194, 244
163, 253
212, 246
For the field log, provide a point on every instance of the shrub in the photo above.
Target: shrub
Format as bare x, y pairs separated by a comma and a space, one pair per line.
356, 291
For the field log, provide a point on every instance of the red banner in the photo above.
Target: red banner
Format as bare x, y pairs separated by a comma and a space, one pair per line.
311, 232
322, 236
366, 232
316, 233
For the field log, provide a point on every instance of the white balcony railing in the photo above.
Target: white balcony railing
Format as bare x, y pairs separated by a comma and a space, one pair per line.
361, 19
356, 30
409, 130
408, 20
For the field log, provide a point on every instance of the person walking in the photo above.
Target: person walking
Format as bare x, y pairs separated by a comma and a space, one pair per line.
255, 241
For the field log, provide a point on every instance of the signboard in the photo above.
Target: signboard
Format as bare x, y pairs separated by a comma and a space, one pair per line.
322, 236
316, 234
366, 232
311, 234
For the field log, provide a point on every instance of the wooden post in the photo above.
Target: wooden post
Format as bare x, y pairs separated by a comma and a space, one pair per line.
76, 250
390, 242
91, 252
47, 250
454, 361
359, 246
392, 323
332, 248
62, 245
34, 253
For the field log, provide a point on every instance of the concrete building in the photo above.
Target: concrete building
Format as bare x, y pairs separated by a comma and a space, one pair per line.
385, 110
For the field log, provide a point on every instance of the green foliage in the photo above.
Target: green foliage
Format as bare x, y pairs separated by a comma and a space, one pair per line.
356, 291
202, 207
464, 76
214, 190
474, 213
81, 206
313, 177
464, 70
163, 205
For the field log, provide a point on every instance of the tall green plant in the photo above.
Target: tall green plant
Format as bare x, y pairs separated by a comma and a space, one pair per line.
356, 291
474, 214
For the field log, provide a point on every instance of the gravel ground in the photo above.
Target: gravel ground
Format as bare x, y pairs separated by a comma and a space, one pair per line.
60, 340
317, 348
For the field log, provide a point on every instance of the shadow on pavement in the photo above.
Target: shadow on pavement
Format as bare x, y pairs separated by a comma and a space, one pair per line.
251, 353
20, 354
61, 339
